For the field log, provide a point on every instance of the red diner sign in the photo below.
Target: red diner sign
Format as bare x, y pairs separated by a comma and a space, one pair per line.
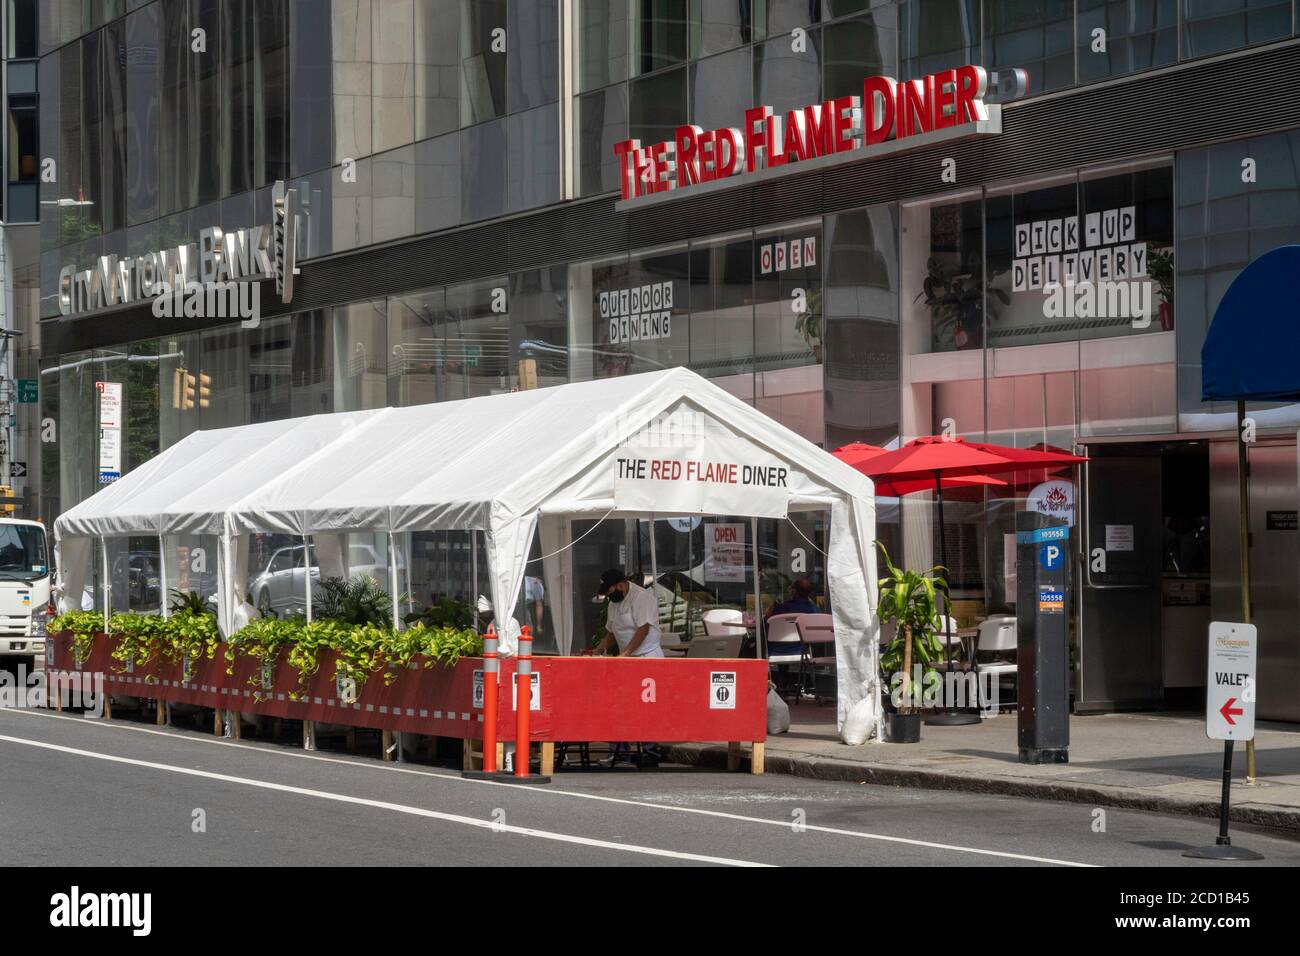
894, 110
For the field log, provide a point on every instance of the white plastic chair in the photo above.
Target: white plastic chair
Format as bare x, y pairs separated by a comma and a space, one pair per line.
724, 622
814, 630
784, 645
997, 636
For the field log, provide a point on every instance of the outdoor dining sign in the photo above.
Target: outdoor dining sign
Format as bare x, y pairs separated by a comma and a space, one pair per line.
701, 480
888, 116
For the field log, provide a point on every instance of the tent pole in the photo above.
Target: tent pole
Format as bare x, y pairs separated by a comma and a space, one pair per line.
473, 575
759, 650
306, 569
103, 563
654, 562
392, 582
162, 577
1243, 530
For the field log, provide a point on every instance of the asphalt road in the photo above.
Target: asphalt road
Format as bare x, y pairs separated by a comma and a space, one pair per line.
79, 791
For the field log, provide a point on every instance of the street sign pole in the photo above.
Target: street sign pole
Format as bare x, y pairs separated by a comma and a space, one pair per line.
1229, 716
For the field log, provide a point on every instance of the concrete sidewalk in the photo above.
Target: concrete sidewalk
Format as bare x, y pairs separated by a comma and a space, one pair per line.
1160, 762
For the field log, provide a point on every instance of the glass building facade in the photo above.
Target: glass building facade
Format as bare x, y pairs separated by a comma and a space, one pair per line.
913, 310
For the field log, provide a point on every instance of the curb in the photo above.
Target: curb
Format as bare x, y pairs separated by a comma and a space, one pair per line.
821, 768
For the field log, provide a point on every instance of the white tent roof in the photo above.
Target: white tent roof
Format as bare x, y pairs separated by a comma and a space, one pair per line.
505, 465
438, 466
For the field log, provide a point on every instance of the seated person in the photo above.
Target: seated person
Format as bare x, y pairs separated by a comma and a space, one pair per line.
800, 601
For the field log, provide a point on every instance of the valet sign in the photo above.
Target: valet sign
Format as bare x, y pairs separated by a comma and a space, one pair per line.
888, 116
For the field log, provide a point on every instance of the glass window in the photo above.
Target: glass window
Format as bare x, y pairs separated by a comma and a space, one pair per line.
775, 17
718, 25
437, 183
533, 54
256, 51
860, 326
533, 162
539, 339
351, 81
942, 292
722, 308
658, 104
604, 32
472, 340
788, 296
1034, 35
483, 60
142, 105
114, 111
392, 73
1136, 35
1212, 26
786, 79
659, 34
350, 208
437, 67
51, 81
360, 356
392, 193
858, 48
645, 324
22, 29
483, 171
94, 130
415, 376
22, 145
206, 106
311, 83
721, 90
602, 122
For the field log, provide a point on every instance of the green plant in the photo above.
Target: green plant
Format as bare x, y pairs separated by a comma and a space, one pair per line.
908, 599
84, 626
956, 301
359, 601
189, 601
447, 612
1160, 266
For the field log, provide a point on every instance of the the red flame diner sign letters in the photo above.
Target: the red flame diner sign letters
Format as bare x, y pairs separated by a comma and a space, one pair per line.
894, 110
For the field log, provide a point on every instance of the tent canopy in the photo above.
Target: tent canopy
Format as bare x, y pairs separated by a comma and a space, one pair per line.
1252, 348
510, 466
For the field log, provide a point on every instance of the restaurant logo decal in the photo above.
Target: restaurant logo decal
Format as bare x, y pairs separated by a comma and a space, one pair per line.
888, 115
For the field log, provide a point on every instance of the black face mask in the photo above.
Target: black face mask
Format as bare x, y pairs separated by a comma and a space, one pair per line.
616, 596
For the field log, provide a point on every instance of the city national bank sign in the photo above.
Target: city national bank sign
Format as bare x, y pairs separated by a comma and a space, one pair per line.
897, 115
216, 278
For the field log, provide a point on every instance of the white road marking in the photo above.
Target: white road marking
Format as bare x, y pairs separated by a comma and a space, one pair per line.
553, 791
385, 805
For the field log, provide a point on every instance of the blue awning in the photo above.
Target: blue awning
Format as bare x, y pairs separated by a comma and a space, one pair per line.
1252, 349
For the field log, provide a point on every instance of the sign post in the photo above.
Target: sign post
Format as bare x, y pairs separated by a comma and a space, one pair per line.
1042, 637
1229, 716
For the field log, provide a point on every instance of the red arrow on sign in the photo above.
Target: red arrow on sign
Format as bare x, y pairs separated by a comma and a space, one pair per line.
1227, 710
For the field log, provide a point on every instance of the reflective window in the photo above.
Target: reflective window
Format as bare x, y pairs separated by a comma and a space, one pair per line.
311, 83
483, 171
533, 54
483, 60
785, 78
437, 183
722, 307
392, 194
718, 25
658, 104
94, 131
256, 48
602, 122
659, 34
415, 374
142, 106
392, 73
1212, 26
858, 48
360, 355
603, 36
113, 108
533, 158
472, 340
788, 296
539, 326
437, 67
351, 80
775, 17
937, 35
722, 88
1034, 35
1136, 35
942, 289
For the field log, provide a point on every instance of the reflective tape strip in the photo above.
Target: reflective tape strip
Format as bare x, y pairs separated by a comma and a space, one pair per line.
491, 666
490, 645
524, 666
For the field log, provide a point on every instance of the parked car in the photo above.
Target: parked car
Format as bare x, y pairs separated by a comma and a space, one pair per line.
281, 585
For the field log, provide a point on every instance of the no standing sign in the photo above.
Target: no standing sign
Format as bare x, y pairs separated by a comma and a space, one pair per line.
1230, 682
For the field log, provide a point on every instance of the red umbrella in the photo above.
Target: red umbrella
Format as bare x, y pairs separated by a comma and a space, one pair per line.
858, 454
935, 459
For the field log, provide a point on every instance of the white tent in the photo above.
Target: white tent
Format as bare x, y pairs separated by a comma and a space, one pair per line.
509, 466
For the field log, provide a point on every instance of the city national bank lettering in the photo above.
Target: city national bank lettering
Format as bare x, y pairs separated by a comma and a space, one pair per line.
768, 140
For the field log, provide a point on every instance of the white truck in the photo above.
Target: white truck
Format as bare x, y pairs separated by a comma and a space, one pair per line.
24, 589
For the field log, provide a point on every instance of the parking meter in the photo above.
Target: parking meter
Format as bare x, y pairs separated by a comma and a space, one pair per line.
1043, 560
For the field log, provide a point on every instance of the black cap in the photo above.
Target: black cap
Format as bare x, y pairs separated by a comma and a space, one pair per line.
609, 579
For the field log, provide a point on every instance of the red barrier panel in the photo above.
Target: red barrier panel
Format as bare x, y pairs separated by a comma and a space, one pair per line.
666, 700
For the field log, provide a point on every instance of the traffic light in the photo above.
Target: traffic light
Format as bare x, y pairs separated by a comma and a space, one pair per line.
7, 499
205, 385
177, 379
187, 399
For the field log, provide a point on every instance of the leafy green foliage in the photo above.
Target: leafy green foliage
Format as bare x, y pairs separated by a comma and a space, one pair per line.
448, 612
909, 599
189, 602
84, 626
183, 638
359, 601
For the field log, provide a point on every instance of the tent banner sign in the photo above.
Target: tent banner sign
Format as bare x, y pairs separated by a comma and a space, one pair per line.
703, 480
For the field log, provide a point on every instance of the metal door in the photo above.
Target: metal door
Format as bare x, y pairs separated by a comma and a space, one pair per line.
1120, 661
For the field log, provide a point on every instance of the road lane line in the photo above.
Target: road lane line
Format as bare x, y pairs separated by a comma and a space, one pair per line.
385, 805
554, 791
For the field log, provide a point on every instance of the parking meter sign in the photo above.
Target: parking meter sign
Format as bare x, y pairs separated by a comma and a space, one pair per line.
1230, 681
722, 690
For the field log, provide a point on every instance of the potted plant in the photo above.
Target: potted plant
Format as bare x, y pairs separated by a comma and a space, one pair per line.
956, 303
908, 600
1160, 266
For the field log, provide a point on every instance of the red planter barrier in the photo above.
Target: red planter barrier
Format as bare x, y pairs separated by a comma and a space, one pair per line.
666, 700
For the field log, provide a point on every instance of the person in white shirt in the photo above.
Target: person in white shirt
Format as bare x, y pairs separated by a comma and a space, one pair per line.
632, 623
633, 618
534, 595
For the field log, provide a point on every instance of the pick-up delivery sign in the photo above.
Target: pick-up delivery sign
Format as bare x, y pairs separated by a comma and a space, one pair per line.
1230, 682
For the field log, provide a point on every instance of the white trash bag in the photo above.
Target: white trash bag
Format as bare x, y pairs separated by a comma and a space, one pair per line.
861, 720
778, 711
